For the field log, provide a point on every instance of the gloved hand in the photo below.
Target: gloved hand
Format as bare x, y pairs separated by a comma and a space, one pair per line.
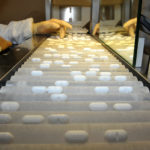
4, 44
51, 26
96, 29
130, 26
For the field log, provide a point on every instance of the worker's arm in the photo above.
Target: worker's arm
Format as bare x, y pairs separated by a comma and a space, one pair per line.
19, 31
130, 25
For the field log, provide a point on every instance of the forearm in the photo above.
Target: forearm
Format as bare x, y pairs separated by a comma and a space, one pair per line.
17, 31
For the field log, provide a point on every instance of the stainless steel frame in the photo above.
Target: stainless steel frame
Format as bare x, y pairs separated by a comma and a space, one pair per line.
48, 9
95, 14
95, 10
126, 10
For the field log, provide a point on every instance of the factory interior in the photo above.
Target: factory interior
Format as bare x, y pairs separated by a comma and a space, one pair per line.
82, 92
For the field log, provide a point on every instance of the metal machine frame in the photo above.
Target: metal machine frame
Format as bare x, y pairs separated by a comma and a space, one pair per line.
95, 10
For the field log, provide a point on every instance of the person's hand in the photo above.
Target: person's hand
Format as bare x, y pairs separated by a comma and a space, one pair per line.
96, 29
51, 26
130, 26
4, 44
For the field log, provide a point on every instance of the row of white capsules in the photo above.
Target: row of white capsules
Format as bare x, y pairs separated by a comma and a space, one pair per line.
89, 133
75, 76
71, 106
124, 45
96, 132
62, 94
46, 67
97, 114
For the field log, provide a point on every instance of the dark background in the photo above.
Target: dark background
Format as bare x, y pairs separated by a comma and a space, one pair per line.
21, 9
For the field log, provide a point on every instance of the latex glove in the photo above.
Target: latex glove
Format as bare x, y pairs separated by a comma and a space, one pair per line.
4, 44
130, 26
51, 26
96, 29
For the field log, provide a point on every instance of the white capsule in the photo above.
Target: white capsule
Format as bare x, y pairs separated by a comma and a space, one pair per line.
105, 78
73, 73
36, 73
56, 55
62, 83
98, 50
89, 60
79, 53
61, 46
59, 62
87, 49
98, 106
65, 57
79, 78
36, 59
73, 62
101, 89
70, 47
73, 55
95, 66
10, 106
114, 66
55, 89
119, 135
38, 89
53, 50
125, 89
66, 66
105, 73
122, 50
94, 69
58, 118
104, 57
131, 56
91, 73
72, 51
48, 48
47, 55
76, 136
32, 119
122, 106
91, 55
58, 97
120, 78
5, 118
44, 66
47, 62
6, 138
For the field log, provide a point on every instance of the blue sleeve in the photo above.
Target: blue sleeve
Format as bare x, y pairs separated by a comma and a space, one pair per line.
17, 31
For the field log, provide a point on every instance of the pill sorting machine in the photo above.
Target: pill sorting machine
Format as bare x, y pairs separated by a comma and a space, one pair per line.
71, 93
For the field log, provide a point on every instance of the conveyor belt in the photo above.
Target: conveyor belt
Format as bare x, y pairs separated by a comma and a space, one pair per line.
72, 94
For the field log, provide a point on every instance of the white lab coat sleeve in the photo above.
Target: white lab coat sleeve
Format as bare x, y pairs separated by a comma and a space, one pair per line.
17, 31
